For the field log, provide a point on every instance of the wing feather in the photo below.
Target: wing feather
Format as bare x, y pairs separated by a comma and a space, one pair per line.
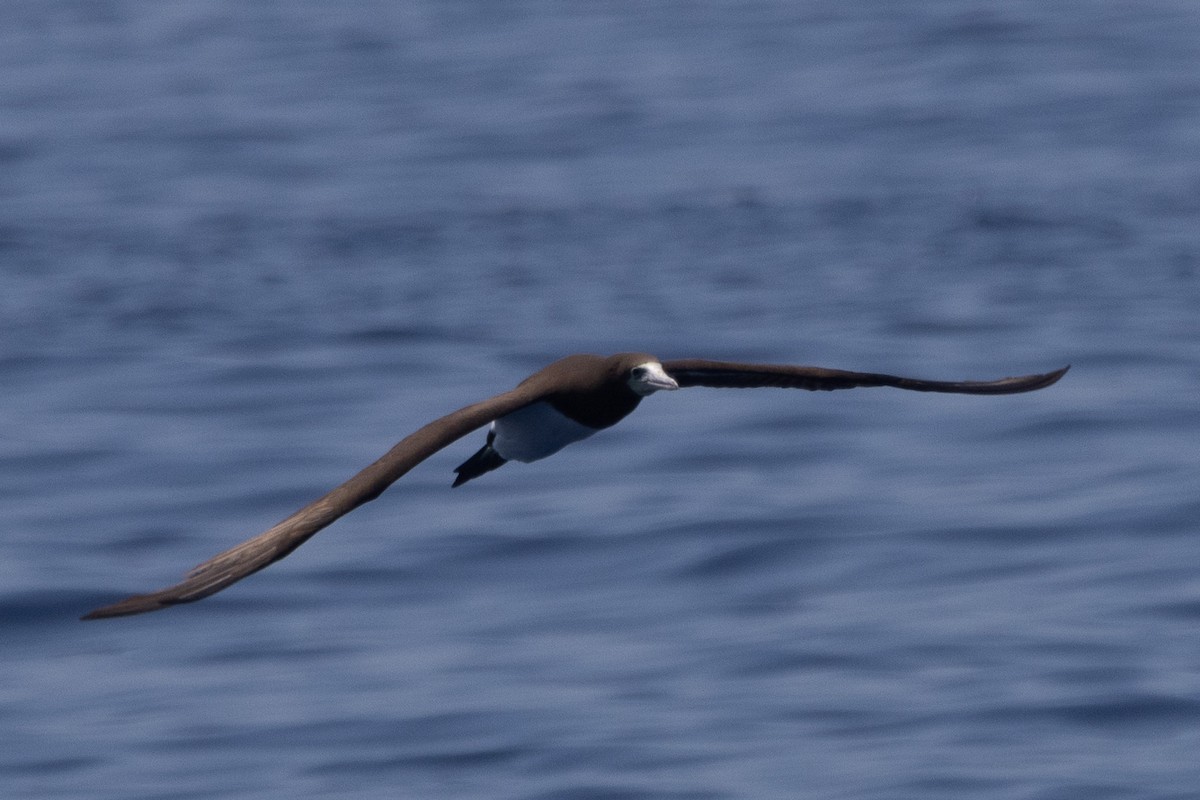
250, 556
732, 375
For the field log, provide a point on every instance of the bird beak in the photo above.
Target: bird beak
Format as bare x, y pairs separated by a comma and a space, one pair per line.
666, 382
657, 379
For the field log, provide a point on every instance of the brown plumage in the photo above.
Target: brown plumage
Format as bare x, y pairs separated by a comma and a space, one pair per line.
592, 392
731, 375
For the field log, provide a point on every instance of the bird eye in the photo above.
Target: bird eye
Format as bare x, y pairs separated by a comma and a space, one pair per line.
639, 372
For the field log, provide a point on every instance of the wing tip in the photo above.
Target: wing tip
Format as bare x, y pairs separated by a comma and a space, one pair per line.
1023, 383
1053, 377
135, 604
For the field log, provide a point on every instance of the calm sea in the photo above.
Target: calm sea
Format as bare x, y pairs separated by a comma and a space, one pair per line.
246, 246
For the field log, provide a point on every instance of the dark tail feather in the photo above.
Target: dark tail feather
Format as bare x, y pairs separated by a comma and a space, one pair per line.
485, 460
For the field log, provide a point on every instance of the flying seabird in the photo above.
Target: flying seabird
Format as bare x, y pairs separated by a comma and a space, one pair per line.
567, 401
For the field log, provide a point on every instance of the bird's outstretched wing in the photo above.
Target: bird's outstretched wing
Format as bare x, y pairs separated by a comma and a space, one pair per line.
732, 375
273, 544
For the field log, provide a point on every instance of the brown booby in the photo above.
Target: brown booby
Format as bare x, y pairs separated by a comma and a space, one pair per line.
567, 401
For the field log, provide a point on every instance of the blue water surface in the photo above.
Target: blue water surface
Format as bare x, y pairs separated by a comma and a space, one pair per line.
245, 247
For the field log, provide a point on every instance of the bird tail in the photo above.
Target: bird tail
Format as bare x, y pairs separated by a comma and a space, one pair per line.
486, 460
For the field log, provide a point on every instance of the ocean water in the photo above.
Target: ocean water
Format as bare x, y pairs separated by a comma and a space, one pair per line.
245, 247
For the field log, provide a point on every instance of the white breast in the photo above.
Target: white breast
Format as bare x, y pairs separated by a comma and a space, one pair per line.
535, 432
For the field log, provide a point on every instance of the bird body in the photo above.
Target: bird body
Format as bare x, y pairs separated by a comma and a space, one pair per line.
531, 433
528, 434
567, 401
584, 394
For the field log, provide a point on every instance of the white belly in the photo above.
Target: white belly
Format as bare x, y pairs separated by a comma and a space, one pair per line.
535, 432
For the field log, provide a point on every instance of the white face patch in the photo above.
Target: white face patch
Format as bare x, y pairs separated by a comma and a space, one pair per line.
648, 378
